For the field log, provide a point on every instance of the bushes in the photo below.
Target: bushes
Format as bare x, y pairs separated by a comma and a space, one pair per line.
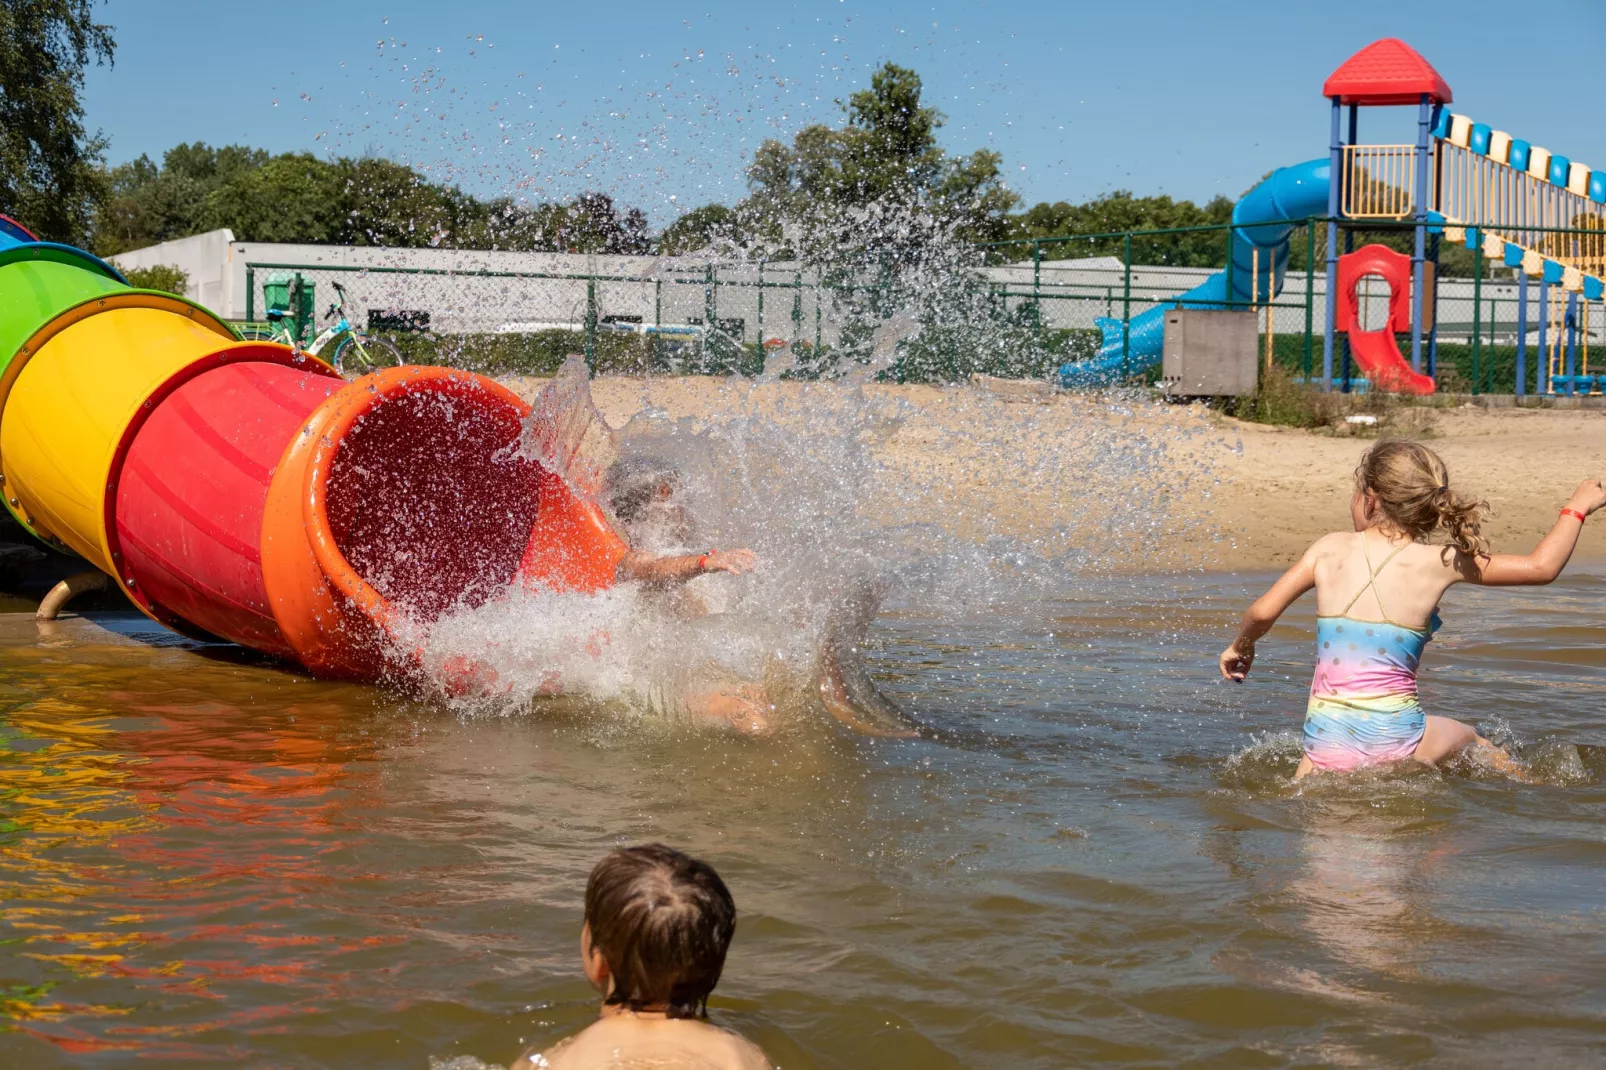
165, 277
543, 352
1282, 400
954, 354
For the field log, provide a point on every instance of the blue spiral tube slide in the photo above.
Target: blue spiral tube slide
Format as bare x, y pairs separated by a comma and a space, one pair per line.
1265, 217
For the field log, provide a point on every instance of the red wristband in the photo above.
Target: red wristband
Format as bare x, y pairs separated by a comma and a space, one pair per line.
1573, 512
702, 562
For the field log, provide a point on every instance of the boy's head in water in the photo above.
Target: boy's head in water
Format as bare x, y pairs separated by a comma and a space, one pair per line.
1405, 486
647, 496
657, 926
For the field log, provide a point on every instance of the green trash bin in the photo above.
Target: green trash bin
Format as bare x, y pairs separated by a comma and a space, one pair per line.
293, 295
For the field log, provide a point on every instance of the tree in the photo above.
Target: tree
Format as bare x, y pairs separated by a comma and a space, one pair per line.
391, 204
295, 197
150, 204
701, 228
885, 155
1115, 213
591, 223
49, 174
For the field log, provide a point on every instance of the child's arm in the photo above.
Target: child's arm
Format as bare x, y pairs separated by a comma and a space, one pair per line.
1260, 616
655, 571
1547, 560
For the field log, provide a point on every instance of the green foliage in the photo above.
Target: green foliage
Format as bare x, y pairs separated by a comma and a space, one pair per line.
954, 354
1283, 401
700, 228
49, 164
885, 154
291, 198
297, 197
1118, 212
543, 353
390, 204
173, 280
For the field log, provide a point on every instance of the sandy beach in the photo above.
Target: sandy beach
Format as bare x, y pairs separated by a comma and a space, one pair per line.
1138, 483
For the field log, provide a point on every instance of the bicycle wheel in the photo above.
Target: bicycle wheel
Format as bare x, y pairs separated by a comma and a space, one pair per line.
358, 356
250, 332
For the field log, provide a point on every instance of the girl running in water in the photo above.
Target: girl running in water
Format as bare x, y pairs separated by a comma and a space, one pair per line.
1377, 598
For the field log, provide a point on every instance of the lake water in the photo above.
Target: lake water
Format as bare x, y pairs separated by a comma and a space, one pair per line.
1094, 857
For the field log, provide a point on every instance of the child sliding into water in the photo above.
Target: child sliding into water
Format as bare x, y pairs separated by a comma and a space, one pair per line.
1377, 596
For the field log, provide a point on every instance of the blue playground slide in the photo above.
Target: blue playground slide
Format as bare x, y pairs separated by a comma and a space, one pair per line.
1268, 214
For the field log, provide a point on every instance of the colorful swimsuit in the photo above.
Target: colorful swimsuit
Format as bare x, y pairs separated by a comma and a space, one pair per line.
1363, 707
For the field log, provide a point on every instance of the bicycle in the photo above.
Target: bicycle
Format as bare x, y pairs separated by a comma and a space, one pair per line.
357, 352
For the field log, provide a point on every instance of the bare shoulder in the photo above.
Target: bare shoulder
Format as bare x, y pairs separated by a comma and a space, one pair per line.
1437, 557
748, 1056
738, 1052
534, 1058
674, 1043
1335, 543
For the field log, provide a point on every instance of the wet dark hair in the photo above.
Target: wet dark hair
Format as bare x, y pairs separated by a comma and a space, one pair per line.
632, 484
663, 922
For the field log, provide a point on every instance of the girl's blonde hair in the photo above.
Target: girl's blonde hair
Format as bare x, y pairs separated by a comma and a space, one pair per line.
1413, 494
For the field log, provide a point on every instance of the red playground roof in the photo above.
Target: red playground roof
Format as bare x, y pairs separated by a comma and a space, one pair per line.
1386, 72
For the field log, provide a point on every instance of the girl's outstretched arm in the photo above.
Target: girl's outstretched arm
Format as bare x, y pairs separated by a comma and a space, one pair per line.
1547, 560
1263, 613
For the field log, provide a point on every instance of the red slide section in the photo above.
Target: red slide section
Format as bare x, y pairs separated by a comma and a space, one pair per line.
1379, 356
190, 532
1376, 351
276, 506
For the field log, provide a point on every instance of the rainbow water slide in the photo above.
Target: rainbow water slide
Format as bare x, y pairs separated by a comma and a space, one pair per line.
245, 492
1267, 215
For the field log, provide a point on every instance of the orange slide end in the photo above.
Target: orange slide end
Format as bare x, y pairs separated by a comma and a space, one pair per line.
403, 498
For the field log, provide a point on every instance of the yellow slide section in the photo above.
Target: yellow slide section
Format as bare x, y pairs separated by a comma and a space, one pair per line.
70, 397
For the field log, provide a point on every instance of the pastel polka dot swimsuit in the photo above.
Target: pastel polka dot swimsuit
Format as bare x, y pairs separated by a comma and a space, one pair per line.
1363, 706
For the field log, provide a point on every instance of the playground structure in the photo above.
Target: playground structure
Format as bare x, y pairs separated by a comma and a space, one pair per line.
1511, 203
246, 492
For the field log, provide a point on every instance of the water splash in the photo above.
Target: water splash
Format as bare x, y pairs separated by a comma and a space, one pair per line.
950, 502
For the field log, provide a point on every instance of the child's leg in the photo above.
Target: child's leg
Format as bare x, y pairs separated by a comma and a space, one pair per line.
1306, 767
745, 709
1446, 737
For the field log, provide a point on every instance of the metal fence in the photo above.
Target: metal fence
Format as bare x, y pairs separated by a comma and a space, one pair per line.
1046, 295
458, 314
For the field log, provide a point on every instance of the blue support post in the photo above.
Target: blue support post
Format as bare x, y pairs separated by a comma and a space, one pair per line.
1434, 241
1522, 333
1424, 123
1438, 244
1572, 344
1349, 235
1542, 360
1334, 172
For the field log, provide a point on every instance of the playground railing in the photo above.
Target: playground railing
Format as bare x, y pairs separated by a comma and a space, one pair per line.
1381, 182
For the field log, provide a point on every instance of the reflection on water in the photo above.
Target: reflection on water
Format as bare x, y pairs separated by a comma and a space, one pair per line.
1096, 856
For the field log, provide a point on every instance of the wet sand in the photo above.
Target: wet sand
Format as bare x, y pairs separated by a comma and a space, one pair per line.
1226, 494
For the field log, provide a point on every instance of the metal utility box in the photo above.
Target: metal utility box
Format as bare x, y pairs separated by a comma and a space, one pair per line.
294, 296
1210, 353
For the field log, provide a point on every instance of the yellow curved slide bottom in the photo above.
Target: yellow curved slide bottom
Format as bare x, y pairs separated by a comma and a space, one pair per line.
70, 404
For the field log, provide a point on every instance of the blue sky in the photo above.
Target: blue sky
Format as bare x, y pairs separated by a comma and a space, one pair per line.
662, 103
